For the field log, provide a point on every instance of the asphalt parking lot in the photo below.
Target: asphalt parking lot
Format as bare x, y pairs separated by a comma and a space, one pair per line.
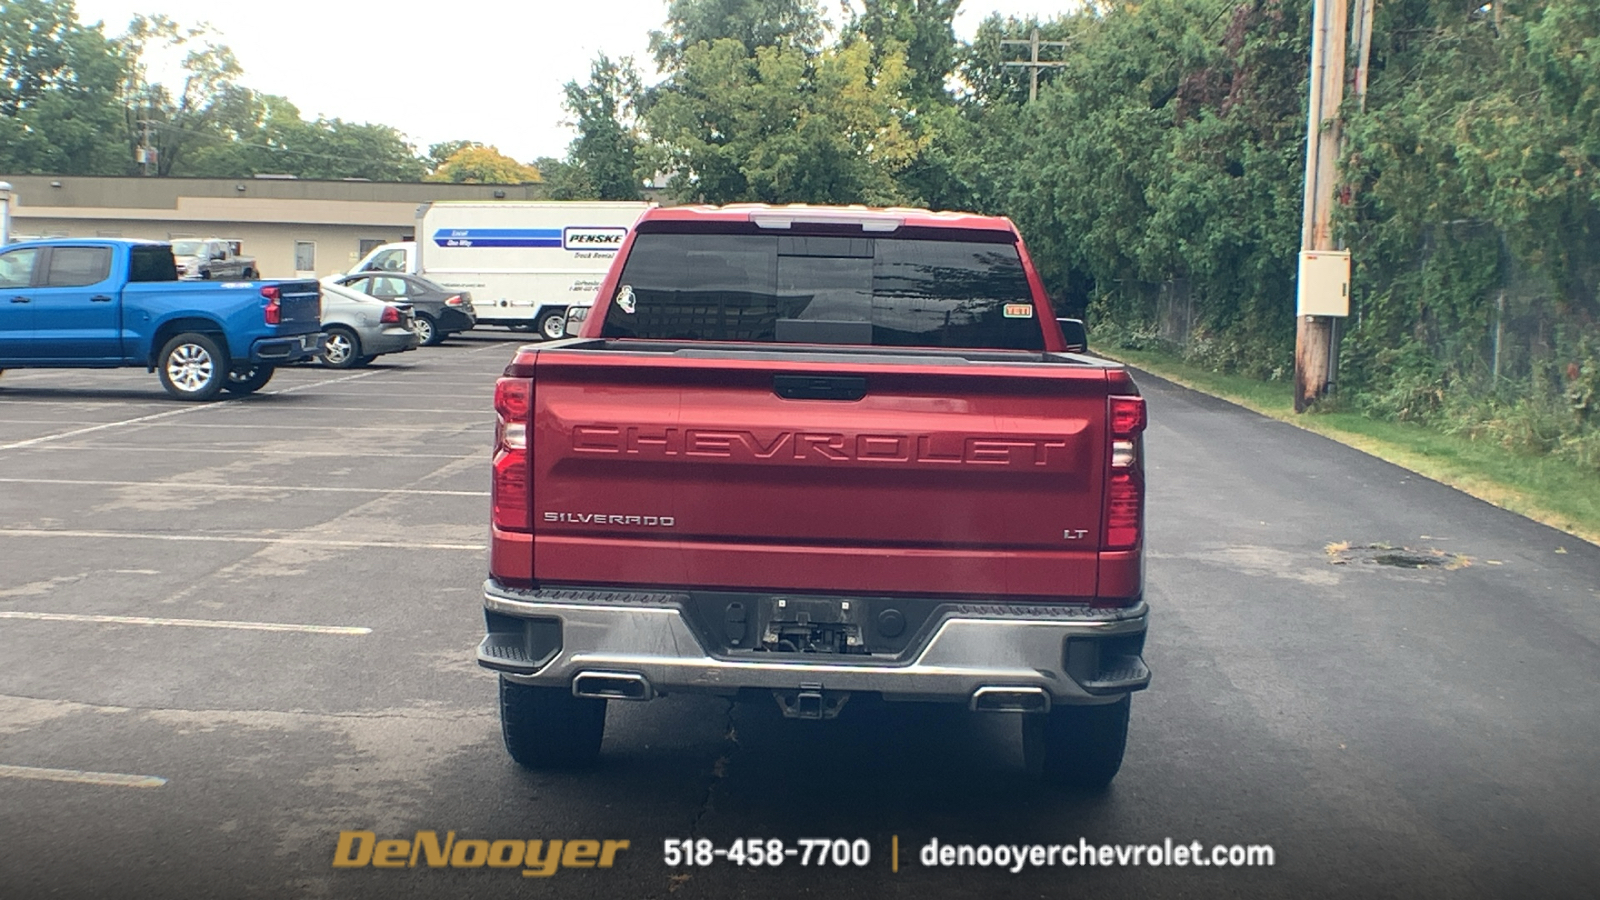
231, 631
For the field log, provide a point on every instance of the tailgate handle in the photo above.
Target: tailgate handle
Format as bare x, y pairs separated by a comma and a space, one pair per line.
819, 387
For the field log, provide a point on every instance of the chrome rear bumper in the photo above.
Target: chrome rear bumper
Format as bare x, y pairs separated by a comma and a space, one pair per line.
637, 644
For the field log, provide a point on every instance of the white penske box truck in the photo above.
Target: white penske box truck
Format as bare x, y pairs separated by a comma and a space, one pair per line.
524, 262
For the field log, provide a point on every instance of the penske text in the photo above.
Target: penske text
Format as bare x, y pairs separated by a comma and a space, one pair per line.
538, 858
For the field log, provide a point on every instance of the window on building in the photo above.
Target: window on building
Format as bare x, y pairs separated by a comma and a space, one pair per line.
78, 266
305, 256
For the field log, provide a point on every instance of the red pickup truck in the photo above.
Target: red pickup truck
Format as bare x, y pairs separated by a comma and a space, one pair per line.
809, 453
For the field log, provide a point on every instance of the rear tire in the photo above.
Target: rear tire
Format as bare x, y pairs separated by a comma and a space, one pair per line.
343, 348
250, 275
193, 367
548, 728
428, 331
248, 379
1077, 747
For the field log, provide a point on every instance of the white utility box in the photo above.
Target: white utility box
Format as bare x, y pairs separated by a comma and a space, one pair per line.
1323, 286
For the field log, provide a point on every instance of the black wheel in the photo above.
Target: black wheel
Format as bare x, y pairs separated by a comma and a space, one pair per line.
343, 348
427, 331
250, 275
248, 379
1077, 747
548, 728
553, 325
193, 367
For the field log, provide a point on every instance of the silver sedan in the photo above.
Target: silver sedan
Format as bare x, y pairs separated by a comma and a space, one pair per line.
361, 328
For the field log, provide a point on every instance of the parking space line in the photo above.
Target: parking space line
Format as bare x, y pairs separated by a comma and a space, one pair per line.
236, 539
332, 425
188, 451
184, 623
385, 410
246, 487
167, 414
79, 776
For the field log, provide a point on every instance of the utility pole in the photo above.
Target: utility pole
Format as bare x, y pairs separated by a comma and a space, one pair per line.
1034, 63
1313, 340
147, 155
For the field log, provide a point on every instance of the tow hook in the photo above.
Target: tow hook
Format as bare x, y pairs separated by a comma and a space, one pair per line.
811, 702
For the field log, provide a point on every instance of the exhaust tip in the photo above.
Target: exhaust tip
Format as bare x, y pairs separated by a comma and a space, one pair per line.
1011, 700
612, 686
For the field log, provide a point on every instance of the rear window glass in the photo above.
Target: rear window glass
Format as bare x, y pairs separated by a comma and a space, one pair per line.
891, 292
78, 266
152, 263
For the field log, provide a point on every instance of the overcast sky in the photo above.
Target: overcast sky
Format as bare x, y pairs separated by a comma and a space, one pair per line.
489, 72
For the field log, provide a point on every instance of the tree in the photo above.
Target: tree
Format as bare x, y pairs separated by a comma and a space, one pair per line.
780, 126
563, 180
58, 84
922, 30
753, 23
478, 164
606, 150
439, 153
177, 118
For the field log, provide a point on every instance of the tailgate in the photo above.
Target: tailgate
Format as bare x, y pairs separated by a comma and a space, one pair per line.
301, 303
772, 471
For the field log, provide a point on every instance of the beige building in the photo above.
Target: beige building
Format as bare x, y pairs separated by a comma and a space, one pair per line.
292, 227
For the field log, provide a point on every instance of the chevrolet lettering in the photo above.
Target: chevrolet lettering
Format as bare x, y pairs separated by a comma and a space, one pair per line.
750, 446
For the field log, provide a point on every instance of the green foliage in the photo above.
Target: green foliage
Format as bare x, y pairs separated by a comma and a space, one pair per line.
782, 126
921, 31
794, 24
73, 101
58, 83
606, 151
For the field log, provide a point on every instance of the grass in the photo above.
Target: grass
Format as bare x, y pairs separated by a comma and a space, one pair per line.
1555, 492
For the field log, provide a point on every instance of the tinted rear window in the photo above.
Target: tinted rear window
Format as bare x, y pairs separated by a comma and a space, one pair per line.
821, 289
153, 263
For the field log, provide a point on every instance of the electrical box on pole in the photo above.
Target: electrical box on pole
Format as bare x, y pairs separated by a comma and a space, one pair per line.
1323, 285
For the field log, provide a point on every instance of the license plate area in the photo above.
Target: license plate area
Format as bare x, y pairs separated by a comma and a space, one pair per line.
813, 625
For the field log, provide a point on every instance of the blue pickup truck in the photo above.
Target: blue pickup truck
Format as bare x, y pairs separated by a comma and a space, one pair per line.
104, 303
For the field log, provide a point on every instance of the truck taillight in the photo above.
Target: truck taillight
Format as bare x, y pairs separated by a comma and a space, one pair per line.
1124, 521
274, 310
509, 489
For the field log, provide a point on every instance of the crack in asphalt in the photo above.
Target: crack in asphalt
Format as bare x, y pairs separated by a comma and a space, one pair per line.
719, 772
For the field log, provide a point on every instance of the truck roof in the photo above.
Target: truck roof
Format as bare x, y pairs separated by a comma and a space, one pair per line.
124, 242
884, 219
